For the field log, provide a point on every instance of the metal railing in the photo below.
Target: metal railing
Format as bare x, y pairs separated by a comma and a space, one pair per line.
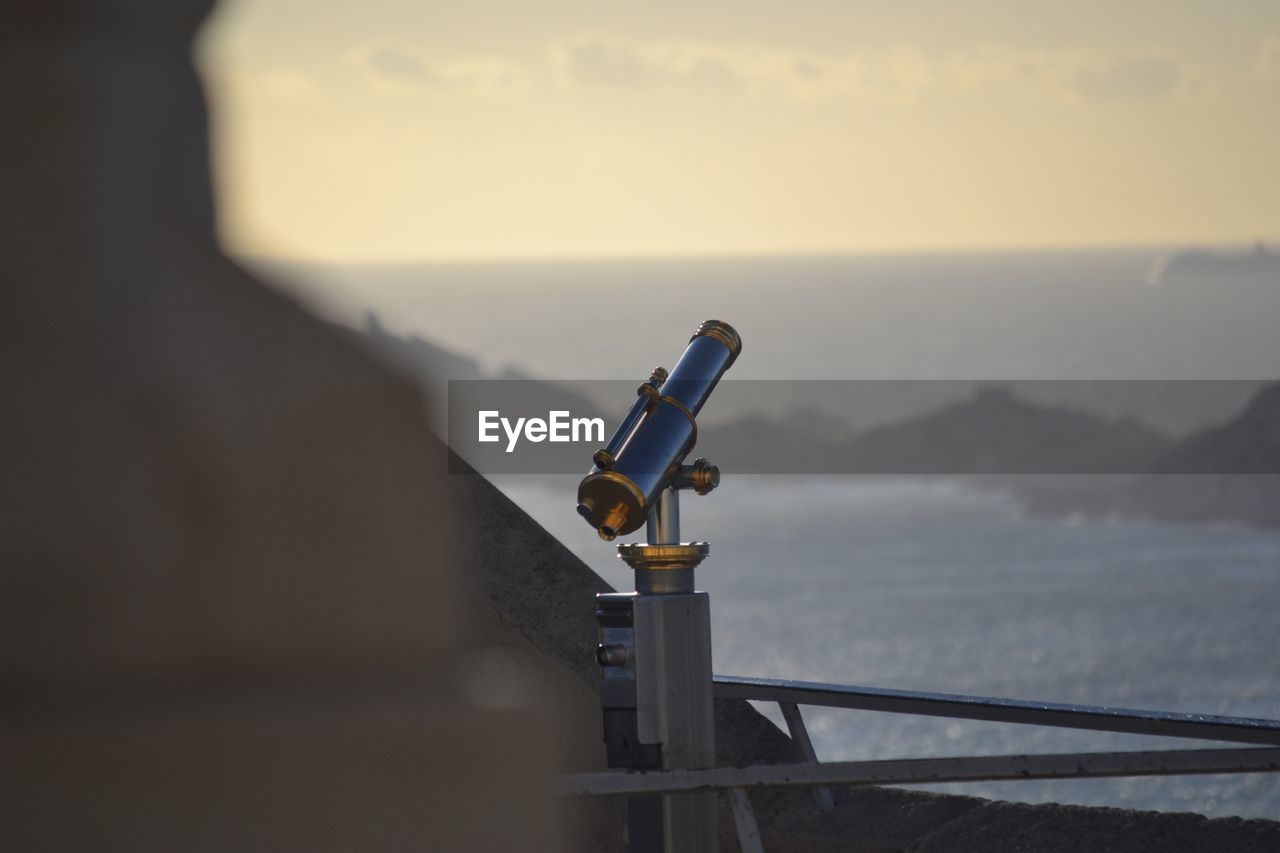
790, 695
654, 650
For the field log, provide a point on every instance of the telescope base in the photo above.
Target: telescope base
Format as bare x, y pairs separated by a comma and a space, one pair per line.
664, 569
658, 692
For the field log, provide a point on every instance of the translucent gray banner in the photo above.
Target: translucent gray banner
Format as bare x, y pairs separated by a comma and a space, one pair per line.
917, 428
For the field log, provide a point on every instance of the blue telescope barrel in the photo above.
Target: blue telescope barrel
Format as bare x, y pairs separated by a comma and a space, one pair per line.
647, 450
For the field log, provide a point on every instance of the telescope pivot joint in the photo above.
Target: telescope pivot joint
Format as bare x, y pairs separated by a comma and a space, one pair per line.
701, 476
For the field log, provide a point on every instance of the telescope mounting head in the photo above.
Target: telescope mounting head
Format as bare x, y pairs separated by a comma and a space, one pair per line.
645, 457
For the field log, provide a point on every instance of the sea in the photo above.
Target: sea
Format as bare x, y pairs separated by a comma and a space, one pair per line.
903, 583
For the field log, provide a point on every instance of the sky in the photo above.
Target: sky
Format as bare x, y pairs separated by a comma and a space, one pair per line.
493, 129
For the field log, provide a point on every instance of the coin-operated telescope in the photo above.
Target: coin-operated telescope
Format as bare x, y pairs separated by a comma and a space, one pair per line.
645, 454
654, 646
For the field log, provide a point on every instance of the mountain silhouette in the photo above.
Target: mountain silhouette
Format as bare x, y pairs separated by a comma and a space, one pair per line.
1247, 444
996, 432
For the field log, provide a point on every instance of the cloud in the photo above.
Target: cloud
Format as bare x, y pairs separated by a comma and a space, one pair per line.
610, 63
603, 63
616, 63
391, 69
894, 74
393, 64
1139, 78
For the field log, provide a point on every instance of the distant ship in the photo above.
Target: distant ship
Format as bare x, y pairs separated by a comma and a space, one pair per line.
1256, 266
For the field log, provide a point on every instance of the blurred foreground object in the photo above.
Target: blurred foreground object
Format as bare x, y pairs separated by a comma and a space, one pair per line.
229, 618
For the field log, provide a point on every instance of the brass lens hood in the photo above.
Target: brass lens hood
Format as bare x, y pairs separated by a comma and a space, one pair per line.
722, 332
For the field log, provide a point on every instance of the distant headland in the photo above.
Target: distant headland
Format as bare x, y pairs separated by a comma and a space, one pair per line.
1259, 265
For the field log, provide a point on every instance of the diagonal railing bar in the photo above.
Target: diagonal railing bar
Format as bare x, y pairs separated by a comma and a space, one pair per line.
744, 819
804, 746
990, 709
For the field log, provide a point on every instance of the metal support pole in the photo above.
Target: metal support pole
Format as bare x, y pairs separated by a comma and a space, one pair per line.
674, 707
671, 665
663, 527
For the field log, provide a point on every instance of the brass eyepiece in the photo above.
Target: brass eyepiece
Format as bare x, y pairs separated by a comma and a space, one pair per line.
613, 523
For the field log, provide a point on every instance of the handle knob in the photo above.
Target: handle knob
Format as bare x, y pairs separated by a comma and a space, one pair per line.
612, 655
